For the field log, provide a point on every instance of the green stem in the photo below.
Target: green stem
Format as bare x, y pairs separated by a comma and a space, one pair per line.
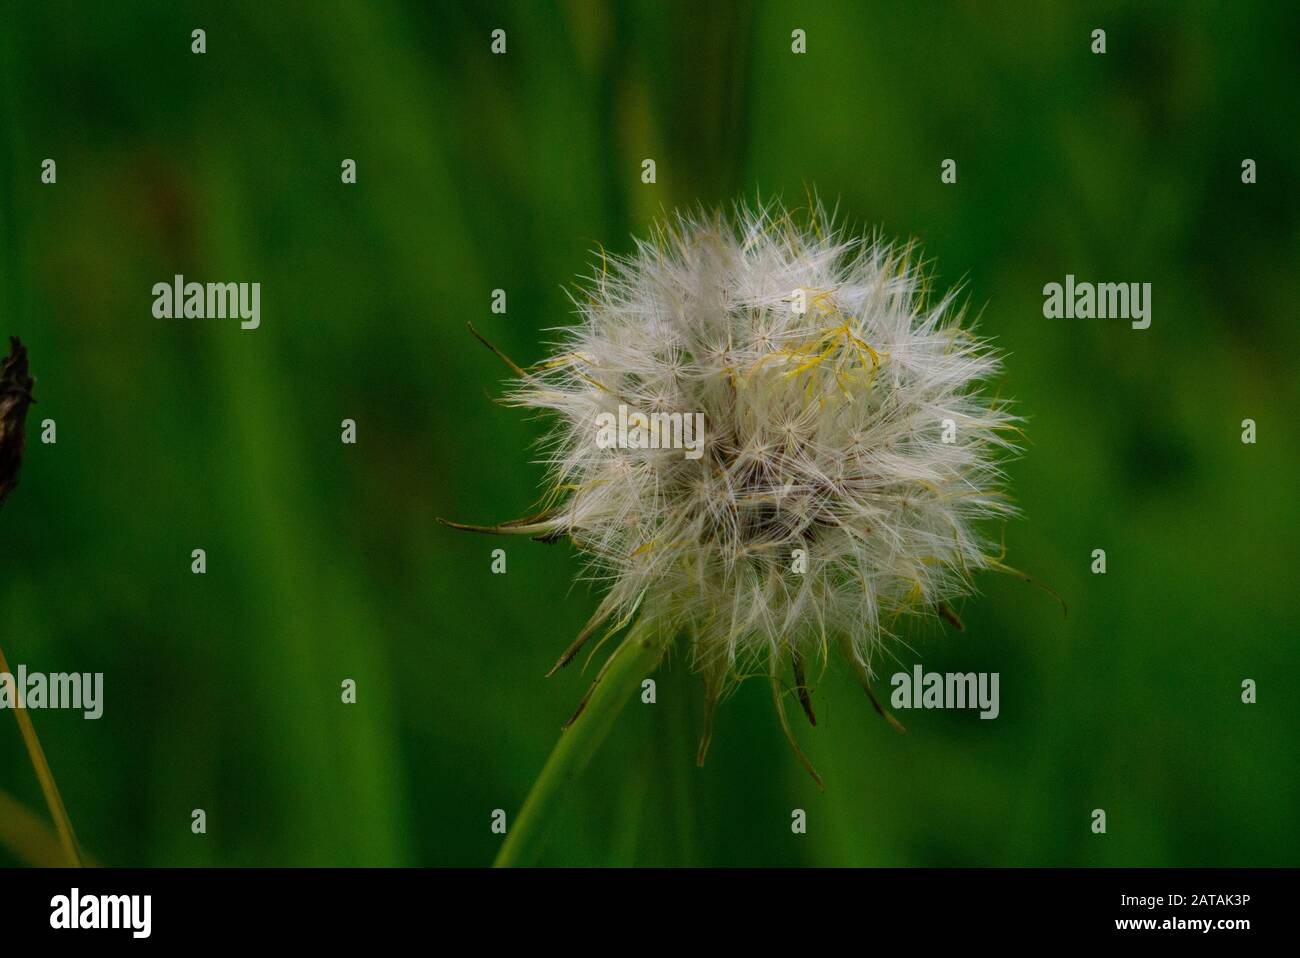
638, 656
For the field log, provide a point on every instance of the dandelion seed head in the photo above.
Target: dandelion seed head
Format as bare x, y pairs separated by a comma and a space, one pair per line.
825, 374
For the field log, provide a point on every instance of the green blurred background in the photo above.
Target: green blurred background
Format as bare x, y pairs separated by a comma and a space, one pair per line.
478, 172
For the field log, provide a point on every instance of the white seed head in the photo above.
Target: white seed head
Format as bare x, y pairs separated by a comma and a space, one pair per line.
825, 379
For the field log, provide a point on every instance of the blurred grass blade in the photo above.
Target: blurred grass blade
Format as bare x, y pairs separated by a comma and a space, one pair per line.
51, 789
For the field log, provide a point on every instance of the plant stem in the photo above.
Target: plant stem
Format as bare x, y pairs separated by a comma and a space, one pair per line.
52, 798
628, 666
